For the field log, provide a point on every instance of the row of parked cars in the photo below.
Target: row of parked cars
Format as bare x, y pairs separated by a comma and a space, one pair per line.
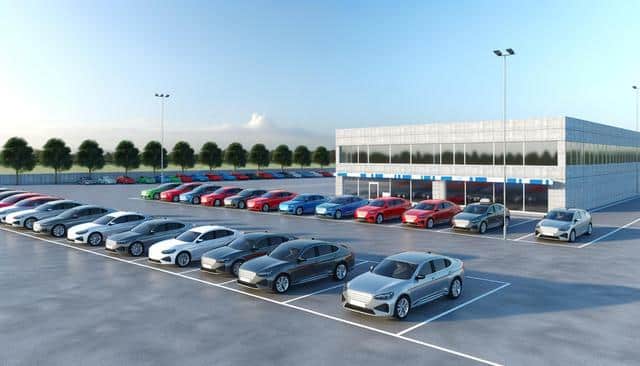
205, 177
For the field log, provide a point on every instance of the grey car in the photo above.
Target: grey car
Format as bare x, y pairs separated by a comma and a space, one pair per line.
27, 218
564, 224
296, 262
481, 217
138, 240
239, 200
402, 282
228, 259
97, 231
57, 225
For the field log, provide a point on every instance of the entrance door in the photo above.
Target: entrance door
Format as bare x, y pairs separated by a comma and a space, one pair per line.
374, 190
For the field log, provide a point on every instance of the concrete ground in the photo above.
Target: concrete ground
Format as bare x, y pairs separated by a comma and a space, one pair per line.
524, 302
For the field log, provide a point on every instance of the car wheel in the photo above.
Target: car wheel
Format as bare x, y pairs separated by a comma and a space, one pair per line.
402, 307
235, 268
156, 196
572, 236
281, 284
338, 214
136, 249
175, 198
196, 200
455, 289
299, 211
379, 219
216, 203
590, 229
241, 205
265, 208
94, 239
59, 231
341, 271
183, 259
430, 223
28, 223
483, 228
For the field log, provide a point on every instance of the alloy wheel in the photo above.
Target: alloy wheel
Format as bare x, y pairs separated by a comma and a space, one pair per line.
183, 259
338, 214
402, 307
58, 231
282, 283
28, 223
341, 271
136, 249
95, 239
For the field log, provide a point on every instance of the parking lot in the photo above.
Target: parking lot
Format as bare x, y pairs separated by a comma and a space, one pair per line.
524, 301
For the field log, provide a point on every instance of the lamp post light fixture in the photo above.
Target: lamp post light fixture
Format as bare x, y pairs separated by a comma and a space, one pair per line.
162, 98
504, 54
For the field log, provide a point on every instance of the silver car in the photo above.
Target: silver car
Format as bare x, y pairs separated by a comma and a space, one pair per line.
96, 232
402, 282
27, 218
564, 224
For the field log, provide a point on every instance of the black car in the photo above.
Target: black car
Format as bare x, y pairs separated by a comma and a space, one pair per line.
252, 245
141, 237
481, 216
239, 200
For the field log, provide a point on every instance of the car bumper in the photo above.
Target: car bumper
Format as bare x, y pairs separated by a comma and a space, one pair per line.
211, 266
256, 207
550, 235
77, 238
41, 229
162, 258
366, 304
465, 225
325, 213
14, 222
421, 222
252, 280
367, 218
113, 247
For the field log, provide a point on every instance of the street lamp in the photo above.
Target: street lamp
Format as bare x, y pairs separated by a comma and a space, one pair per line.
162, 98
635, 87
504, 54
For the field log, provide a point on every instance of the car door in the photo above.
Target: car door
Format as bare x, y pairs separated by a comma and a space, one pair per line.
421, 287
261, 247
157, 233
326, 259
305, 268
204, 243
491, 217
579, 223
440, 276
81, 216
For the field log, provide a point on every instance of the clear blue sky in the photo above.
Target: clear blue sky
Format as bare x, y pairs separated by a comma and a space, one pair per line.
304, 66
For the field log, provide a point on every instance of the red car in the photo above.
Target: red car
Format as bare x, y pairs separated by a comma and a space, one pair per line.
173, 195
381, 209
428, 213
184, 178
217, 197
35, 201
11, 200
264, 175
270, 200
325, 174
213, 177
240, 176
123, 179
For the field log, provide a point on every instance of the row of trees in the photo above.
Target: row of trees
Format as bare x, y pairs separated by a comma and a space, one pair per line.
55, 154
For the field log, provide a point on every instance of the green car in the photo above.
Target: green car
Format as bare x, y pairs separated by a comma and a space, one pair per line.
154, 193
145, 180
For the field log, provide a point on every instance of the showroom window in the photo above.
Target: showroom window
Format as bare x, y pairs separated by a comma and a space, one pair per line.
541, 153
401, 188
379, 154
400, 154
536, 198
349, 154
455, 192
373, 188
514, 153
447, 153
350, 186
574, 153
425, 154
479, 153
421, 190
459, 155
479, 190
363, 155
514, 195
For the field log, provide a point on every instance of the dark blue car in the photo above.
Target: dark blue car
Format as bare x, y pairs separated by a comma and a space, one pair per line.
302, 204
341, 206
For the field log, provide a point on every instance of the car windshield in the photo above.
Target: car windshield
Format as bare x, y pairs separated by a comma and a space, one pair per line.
301, 198
46, 206
340, 200
560, 215
377, 203
220, 190
103, 220
270, 194
144, 228
246, 192
24, 203
188, 236
12, 199
183, 186
395, 269
425, 206
476, 209
68, 213
166, 186
242, 244
288, 253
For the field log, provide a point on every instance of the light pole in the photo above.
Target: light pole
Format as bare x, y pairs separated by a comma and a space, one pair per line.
635, 87
162, 98
504, 54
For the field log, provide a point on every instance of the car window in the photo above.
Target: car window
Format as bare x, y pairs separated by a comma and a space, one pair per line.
426, 269
491, 210
223, 233
439, 264
121, 219
158, 228
310, 252
135, 218
208, 236
275, 240
395, 269
447, 263
325, 249
264, 242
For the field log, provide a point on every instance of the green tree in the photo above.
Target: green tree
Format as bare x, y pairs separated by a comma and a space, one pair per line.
57, 155
108, 158
235, 155
183, 155
127, 156
321, 156
282, 156
210, 155
302, 156
151, 156
259, 155
90, 155
18, 155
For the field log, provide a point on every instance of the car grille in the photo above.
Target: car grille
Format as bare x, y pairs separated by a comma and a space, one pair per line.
410, 218
359, 296
246, 275
357, 308
247, 284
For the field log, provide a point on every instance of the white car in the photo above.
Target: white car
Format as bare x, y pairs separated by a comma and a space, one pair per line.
295, 174
27, 218
106, 180
191, 245
96, 232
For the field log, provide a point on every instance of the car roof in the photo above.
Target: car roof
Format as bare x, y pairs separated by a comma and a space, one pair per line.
433, 200
123, 213
413, 257
163, 220
303, 243
262, 234
567, 209
387, 198
207, 228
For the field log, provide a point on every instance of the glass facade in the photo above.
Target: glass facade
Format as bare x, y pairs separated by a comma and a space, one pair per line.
581, 153
400, 154
540, 153
479, 153
379, 154
455, 192
514, 153
401, 188
425, 154
348, 154
477, 191
421, 190
350, 186
446, 153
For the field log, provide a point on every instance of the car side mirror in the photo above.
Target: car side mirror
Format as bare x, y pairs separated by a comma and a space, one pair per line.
575, 220
152, 232
420, 277
199, 240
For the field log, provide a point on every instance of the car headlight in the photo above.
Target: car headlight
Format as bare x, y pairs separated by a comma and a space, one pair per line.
264, 274
476, 220
222, 260
565, 227
384, 296
168, 251
81, 232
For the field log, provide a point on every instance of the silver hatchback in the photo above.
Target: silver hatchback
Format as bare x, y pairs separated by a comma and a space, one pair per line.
402, 282
564, 224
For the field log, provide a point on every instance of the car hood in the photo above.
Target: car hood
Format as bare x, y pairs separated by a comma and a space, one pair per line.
214, 195
328, 205
554, 223
467, 216
262, 264
170, 243
9, 209
236, 197
87, 226
372, 283
369, 209
21, 212
126, 236
418, 212
222, 252
50, 220
173, 191
260, 199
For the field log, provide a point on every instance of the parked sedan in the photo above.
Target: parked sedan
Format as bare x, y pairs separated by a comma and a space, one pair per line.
240, 199
269, 200
341, 206
240, 176
381, 209
15, 198
57, 226
184, 178
429, 213
296, 262
228, 259
265, 175
196, 194
402, 282
145, 180
214, 177
105, 179
154, 193
191, 245
565, 225
302, 204
96, 232
123, 179
136, 241
198, 177
173, 195
27, 218
26, 204
216, 198
8, 193
481, 216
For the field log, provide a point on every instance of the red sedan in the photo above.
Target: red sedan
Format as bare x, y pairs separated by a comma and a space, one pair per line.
11, 200
325, 173
264, 175
185, 178
270, 200
173, 195
240, 176
428, 213
217, 197
381, 209
123, 179
213, 177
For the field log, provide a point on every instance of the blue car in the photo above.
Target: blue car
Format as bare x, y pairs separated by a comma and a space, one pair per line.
341, 206
278, 175
194, 195
306, 174
199, 177
302, 204
227, 176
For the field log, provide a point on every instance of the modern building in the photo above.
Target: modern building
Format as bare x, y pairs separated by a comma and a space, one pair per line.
550, 162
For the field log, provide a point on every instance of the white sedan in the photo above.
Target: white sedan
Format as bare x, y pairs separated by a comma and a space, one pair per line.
96, 232
191, 245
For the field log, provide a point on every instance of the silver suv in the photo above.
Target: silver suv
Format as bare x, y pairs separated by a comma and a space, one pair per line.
564, 224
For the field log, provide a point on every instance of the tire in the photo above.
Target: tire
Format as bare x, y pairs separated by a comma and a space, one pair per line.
94, 239
482, 228
183, 259
58, 231
429, 224
341, 271
455, 288
241, 205
379, 219
28, 223
216, 203
590, 229
196, 200
337, 215
299, 211
235, 267
156, 196
402, 307
265, 208
175, 198
136, 249
281, 284
572, 236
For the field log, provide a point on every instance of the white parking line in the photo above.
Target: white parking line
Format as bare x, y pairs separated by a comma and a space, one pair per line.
228, 282
291, 306
189, 271
609, 234
313, 293
139, 259
524, 236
